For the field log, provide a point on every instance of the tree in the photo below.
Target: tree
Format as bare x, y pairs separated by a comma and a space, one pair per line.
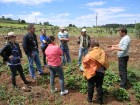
8, 19
3, 17
46, 23
22, 22
19, 20
137, 27
40, 23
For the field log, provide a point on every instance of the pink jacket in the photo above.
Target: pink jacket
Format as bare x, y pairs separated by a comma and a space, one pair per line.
53, 55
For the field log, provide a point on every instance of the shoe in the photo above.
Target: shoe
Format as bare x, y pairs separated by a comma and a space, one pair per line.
100, 101
53, 91
64, 92
47, 66
34, 77
89, 100
43, 73
27, 82
16, 87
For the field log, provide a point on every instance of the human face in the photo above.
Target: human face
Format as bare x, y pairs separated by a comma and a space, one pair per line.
83, 33
32, 30
43, 32
121, 34
12, 39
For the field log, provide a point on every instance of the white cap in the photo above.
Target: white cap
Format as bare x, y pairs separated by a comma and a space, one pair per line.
62, 28
11, 34
83, 30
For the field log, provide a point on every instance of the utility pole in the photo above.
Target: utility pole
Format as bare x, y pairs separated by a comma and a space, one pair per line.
35, 19
96, 21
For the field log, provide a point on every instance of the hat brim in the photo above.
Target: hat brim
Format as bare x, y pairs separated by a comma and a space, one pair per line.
9, 36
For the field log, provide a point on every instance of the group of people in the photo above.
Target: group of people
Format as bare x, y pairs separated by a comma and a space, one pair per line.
94, 62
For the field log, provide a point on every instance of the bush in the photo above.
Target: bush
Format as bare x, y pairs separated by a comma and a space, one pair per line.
121, 94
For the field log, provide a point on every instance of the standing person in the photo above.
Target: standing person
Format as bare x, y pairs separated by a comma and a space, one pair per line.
84, 41
53, 55
123, 56
95, 63
11, 53
44, 44
64, 39
30, 46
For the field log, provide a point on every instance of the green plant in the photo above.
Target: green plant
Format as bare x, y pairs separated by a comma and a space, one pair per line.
17, 100
132, 78
136, 88
110, 80
121, 94
2, 93
25, 68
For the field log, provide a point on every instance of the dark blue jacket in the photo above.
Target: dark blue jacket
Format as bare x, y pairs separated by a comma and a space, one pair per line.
6, 51
29, 44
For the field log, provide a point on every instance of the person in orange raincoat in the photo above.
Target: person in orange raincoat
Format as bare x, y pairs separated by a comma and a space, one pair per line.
94, 64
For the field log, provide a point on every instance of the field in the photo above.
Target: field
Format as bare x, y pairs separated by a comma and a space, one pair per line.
40, 89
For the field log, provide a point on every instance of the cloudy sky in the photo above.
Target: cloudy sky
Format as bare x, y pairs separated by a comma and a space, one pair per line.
77, 12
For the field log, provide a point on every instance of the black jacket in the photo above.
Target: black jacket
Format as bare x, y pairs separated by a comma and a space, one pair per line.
28, 43
6, 51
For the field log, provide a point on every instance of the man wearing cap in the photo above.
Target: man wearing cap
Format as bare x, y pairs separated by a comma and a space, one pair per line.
64, 39
30, 46
11, 54
84, 41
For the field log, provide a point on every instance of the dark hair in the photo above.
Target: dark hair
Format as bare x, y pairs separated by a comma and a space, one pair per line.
94, 43
30, 26
123, 30
51, 38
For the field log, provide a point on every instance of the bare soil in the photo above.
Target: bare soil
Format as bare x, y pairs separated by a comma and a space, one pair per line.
41, 94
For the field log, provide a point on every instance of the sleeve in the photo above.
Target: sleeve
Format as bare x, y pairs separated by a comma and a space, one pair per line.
2, 53
40, 38
78, 42
25, 46
59, 51
59, 36
125, 44
19, 50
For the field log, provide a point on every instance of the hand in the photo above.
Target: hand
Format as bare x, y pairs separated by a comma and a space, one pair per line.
11, 57
110, 48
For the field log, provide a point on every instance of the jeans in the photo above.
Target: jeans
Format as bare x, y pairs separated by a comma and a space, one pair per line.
81, 52
65, 50
98, 79
14, 69
59, 71
123, 70
31, 59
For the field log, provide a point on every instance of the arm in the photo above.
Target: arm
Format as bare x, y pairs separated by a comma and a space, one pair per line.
25, 45
59, 51
116, 47
3, 52
19, 50
63, 38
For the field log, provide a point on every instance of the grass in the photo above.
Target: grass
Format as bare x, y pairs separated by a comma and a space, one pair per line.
20, 29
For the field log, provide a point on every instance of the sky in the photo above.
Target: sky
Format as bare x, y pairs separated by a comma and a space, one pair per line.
77, 12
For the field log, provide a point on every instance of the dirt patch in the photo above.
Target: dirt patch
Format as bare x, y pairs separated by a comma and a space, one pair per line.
40, 93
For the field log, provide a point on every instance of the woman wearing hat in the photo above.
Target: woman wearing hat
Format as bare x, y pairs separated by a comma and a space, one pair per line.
11, 53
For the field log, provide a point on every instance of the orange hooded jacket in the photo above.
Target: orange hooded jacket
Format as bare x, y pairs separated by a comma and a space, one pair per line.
93, 61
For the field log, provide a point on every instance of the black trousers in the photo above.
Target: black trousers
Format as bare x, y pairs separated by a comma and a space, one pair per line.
123, 70
14, 70
44, 56
98, 80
